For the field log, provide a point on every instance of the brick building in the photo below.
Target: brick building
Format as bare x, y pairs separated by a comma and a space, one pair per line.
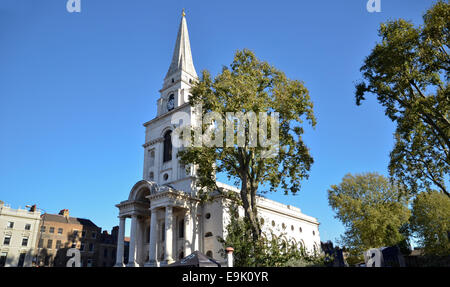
59, 232
107, 247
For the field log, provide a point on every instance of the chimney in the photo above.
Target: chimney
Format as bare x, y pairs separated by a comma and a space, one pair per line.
64, 212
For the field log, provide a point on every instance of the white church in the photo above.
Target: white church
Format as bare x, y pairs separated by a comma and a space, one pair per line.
168, 221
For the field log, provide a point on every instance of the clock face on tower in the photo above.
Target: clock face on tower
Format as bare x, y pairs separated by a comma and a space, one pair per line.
171, 103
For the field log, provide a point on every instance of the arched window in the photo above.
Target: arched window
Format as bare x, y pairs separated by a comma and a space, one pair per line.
167, 156
151, 158
209, 253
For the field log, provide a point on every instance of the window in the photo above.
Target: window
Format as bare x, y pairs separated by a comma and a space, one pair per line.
300, 229
151, 158
49, 244
262, 221
181, 228
292, 227
283, 225
21, 259
10, 225
41, 243
105, 252
273, 223
166, 176
208, 234
94, 235
314, 233
89, 263
82, 246
27, 226
7, 240
167, 155
42, 229
3, 257
51, 230
83, 234
75, 233
208, 215
58, 244
91, 247
24, 241
60, 231
209, 253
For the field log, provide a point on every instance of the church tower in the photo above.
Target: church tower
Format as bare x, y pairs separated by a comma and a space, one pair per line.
168, 222
161, 164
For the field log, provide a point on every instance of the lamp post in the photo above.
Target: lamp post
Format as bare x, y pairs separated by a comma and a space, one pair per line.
40, 232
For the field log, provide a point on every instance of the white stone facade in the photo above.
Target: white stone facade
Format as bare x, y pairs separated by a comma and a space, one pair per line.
168, 222
18, 235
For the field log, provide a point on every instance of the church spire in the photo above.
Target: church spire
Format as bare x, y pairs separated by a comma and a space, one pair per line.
182, 57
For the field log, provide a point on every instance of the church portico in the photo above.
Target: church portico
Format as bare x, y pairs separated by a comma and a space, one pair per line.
161, 228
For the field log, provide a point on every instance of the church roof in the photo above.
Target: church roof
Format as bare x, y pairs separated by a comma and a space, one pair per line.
182, 56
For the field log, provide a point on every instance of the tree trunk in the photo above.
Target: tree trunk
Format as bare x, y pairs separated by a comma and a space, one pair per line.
248, 196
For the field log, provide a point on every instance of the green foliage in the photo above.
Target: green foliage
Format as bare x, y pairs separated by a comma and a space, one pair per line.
269, 251
372, 209
253, 85
409, 73
430, 221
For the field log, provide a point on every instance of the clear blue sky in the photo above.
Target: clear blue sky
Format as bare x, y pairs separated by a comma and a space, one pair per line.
75, 90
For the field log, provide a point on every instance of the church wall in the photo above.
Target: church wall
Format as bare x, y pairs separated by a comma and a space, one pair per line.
287, 221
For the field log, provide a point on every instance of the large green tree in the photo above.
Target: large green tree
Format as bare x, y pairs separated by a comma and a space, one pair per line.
430, 221
252, 85
372, 209
408, 71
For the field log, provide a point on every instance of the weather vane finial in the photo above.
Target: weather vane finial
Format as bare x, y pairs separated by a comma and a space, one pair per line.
183, 13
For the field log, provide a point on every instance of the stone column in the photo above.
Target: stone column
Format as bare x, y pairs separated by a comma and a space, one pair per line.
120, 243
153, 238
133, 241
229, 256
169, 236
139, 241
187, 234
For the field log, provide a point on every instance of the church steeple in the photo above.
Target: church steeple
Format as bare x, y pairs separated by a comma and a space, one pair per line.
182, 56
